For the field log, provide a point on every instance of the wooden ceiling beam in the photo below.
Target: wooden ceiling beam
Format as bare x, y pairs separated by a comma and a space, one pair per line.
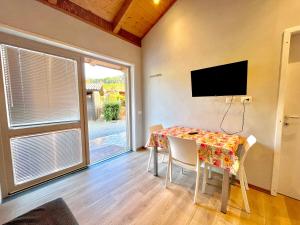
121, 15
84, 15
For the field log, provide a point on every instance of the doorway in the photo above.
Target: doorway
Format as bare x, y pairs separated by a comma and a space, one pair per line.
286, 179
42, 127
107, 104
289, 178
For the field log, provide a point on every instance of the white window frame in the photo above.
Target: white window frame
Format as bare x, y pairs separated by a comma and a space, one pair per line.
132, 115
6, 176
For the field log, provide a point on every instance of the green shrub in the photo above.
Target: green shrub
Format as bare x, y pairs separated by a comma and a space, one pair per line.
111, 111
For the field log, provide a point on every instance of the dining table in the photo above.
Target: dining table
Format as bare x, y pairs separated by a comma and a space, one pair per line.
214, 148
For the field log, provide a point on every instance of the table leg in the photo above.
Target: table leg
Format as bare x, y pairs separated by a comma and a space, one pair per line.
225, 191
233, 179
155, 173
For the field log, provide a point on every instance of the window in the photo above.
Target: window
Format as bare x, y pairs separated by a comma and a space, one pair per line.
39, 88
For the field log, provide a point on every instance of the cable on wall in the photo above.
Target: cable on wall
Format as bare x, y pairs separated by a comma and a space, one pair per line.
243, 119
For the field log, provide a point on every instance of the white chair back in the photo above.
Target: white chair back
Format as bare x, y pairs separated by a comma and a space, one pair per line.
155, 128
183, 150
251, 140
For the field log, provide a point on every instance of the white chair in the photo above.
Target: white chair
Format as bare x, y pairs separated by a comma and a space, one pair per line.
159, 150
240, 171
183, 153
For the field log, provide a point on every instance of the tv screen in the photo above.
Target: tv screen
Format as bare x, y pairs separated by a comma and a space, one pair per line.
223, 80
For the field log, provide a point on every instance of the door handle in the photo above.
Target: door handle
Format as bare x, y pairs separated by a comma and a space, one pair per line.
286, 123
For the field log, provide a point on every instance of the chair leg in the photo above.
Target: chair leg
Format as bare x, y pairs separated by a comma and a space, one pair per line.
209, 172
181, 170
149, 160
245, 179
244, 193
168, 173
170, 170
197, 183
204, 178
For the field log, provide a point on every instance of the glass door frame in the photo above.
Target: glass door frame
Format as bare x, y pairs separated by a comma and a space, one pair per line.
128, 101
6, 167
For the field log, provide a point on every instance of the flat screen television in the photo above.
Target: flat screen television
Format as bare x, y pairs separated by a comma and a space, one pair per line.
224, 80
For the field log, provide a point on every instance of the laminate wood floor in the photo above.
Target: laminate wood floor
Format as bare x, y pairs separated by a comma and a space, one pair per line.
121, 192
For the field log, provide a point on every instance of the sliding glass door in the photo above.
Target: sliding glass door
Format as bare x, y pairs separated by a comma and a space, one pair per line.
108, 109
42, 122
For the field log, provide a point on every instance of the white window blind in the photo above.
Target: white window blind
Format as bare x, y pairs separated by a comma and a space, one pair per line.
39, 155
39, 88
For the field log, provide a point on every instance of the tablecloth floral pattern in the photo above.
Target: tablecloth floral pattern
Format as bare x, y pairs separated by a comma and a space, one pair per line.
216, 148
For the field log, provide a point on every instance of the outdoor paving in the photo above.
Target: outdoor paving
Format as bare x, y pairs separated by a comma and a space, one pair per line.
100, 128
106, 139
118, 139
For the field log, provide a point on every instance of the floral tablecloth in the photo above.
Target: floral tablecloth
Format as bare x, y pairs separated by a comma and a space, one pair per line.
216, 148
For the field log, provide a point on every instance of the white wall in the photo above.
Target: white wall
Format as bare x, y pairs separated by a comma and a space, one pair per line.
35, 17
198, 33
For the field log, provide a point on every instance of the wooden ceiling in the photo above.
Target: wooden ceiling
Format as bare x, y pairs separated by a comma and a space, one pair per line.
130, 20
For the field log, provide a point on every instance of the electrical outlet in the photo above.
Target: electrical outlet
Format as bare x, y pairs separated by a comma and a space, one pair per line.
238, 99
246, 99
